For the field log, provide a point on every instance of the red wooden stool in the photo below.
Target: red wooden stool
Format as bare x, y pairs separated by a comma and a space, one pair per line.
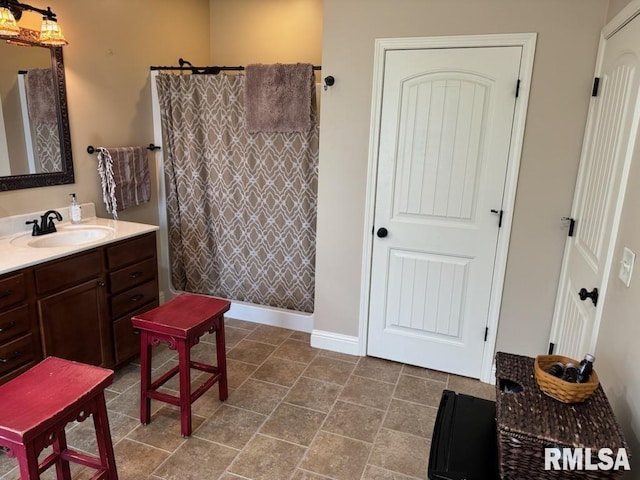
180, 323
36, 406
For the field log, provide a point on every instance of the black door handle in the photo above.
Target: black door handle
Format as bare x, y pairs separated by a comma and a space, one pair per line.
593, 295
382, 232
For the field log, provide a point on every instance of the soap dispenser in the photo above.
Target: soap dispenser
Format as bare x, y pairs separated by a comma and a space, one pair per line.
76, 212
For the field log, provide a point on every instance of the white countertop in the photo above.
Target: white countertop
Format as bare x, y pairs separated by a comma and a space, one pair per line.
15, 253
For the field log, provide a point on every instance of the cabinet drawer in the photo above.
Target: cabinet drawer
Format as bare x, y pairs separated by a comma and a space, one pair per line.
133, 275
16, 353
68, 271
14, 373
131, 251
127, 341
13, 289
133, 298
14, 322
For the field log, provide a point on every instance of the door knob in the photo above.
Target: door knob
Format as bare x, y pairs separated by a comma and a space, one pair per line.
593, 295
382, 232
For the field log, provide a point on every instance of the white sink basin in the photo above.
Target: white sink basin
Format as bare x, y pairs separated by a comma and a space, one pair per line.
66, 236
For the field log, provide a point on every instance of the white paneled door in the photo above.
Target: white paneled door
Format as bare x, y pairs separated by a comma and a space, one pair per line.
609, 142
445, 131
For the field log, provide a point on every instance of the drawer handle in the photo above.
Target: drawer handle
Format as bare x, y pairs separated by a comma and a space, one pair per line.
7, 326
135, 298
6, 293
15, 356
135, 274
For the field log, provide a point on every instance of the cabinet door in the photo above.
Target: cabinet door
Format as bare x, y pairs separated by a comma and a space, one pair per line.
125, 338
74, 324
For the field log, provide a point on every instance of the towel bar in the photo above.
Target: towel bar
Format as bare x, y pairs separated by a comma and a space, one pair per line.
91, 149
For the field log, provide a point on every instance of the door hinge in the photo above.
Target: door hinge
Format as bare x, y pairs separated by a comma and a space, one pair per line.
572, 225
517, 88
552, 347
486, 333
596, 85
499, 213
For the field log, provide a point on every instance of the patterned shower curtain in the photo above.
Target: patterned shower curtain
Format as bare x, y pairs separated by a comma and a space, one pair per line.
48, 147
241, 207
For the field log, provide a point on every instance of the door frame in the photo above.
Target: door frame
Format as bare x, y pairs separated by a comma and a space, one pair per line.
625, 16
528, 42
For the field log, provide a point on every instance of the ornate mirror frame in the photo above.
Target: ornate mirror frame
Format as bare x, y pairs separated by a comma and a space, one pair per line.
66, 176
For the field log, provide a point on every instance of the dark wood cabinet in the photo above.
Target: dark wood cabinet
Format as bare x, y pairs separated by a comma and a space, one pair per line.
74, 324
78, 307
132, 268
19, 336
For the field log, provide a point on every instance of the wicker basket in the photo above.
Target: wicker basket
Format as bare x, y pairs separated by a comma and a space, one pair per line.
557, 388
530, 421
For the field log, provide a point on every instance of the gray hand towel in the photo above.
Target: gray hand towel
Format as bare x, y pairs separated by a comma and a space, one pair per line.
41, 96
126, 181
278, 97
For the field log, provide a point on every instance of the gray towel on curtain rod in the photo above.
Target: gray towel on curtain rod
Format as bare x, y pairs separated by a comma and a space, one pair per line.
124, 173
278, 97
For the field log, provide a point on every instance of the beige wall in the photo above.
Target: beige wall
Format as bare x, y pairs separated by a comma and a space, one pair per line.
259, 31
568, 34
615, 6
617, 352
107, 69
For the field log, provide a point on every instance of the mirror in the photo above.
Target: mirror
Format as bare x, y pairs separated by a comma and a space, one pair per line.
35, 143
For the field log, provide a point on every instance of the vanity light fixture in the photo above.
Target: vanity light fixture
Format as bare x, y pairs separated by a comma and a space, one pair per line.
50, 32
8, 24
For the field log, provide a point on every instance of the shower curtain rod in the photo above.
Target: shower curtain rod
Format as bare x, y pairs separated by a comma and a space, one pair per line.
206, 70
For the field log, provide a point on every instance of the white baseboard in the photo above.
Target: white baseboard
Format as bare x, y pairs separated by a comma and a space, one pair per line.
492, 379
250, 312
276, 317
335, 342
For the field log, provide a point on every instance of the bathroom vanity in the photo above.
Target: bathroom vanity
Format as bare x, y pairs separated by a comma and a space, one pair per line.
71, 294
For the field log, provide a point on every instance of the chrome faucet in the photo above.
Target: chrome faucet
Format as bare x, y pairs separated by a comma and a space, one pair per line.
46, 223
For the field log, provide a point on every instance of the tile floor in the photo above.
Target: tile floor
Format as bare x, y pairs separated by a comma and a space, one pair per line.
294, 412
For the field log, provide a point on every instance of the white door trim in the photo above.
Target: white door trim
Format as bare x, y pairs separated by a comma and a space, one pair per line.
525, 40
626, 15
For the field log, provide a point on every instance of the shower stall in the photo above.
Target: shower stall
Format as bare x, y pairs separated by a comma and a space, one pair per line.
237, 210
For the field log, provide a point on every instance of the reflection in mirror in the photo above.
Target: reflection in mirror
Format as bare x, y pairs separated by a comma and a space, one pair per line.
35, 145
30, 142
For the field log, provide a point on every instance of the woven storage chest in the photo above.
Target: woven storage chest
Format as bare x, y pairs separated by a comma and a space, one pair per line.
529, 421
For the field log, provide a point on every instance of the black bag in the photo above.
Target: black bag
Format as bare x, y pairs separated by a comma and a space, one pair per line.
464, 442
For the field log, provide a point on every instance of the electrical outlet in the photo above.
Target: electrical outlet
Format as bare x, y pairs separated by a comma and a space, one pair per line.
626, 266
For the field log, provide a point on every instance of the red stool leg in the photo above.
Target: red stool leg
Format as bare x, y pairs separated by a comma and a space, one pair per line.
184, 360
221, 353
62, 466
145, 377
28, 461
103, 437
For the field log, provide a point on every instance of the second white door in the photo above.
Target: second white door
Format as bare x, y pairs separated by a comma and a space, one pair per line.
609, 143
445, 130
